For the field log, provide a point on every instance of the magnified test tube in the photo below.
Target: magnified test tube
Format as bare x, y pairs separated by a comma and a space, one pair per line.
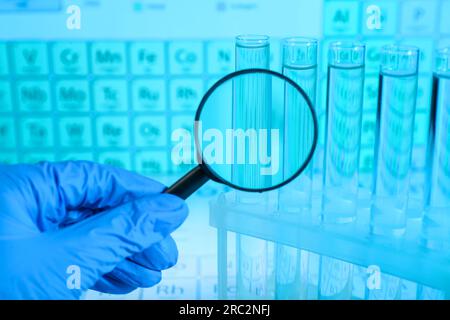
251, 111
300, 64
252, 51
436, 225
394, 139
343, 131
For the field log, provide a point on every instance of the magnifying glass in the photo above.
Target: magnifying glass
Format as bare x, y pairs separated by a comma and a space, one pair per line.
255, 130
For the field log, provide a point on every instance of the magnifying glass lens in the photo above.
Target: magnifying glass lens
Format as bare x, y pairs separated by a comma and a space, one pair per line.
255, 130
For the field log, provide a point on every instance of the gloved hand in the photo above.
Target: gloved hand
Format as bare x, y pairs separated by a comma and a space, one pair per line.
70, 226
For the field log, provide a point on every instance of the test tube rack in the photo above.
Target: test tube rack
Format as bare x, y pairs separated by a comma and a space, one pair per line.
403, 257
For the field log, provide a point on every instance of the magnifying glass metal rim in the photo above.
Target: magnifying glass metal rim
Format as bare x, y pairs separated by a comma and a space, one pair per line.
199, 153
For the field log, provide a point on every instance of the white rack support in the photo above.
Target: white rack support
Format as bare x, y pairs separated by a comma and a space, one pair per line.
405, 258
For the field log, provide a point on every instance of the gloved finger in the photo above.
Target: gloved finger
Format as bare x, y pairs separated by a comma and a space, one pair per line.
75, 216
100, 242
135, 275
139, 270
160, 256
107, 284
50, 189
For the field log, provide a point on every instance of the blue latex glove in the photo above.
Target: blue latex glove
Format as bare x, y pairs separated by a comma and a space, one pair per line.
56, 219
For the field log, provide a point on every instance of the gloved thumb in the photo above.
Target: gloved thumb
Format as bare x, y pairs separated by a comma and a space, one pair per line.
97, 244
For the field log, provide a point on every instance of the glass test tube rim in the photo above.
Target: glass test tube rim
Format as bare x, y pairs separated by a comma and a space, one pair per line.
347, 44
252, 40
443, 52
356, 46
296, 41
399, 49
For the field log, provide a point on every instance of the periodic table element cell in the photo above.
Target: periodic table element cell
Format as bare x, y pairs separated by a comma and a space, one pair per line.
379, 17
108, 58
426, 55
113, 131
209, 288
4, 69
72, 95
70, 58
33, 96
151, 163
370, 93
149, 95
37, 132
445, 21
7, 132
30, 58
172, 289
35, 157
419, 17
220, 57
119, 159
368, 128
341, 18
150, 131
373, 50
147, 58
75, 155
75, 132
110, 95
5, 96
186, 57
8, 157
185, 94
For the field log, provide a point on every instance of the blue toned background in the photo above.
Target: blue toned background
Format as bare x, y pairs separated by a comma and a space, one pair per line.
114, 90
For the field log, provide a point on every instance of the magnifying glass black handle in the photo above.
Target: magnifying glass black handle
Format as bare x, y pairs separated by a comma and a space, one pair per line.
189, 183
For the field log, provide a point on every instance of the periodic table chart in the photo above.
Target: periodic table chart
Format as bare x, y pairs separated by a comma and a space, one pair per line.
114, 90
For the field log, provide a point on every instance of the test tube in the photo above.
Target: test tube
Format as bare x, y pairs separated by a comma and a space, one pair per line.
252, 51
343, 131
394, 139
436, 224
428, 293
253, 267
299, 64
299, 57
335, 279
